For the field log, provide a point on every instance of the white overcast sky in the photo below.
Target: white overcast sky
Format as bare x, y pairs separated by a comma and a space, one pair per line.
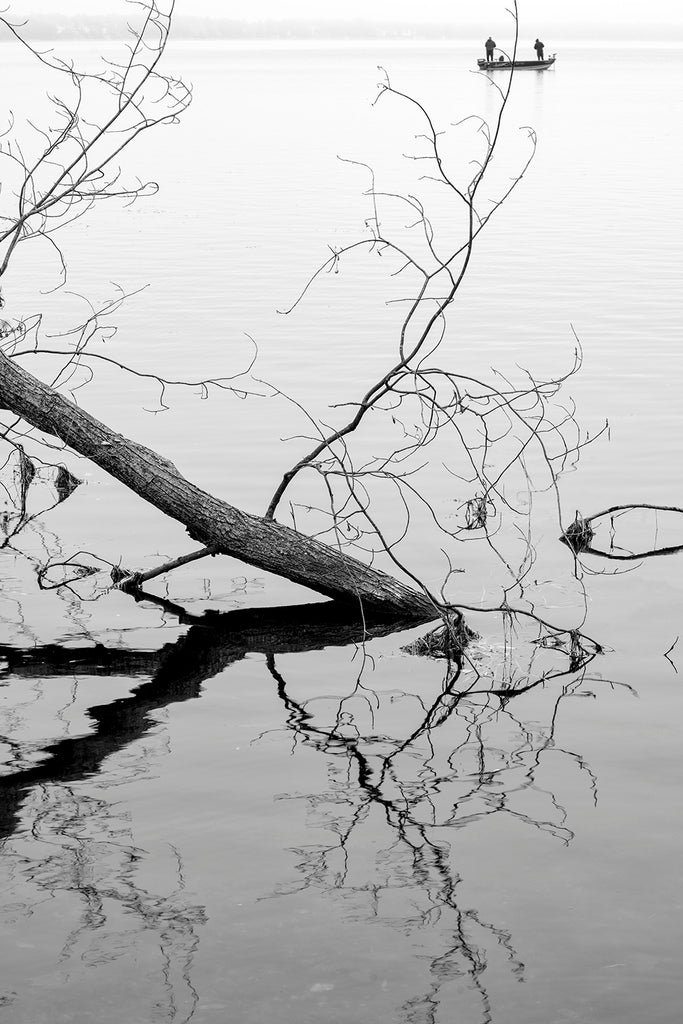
542, 15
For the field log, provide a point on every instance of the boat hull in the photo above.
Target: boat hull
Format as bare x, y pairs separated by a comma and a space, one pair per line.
518, 65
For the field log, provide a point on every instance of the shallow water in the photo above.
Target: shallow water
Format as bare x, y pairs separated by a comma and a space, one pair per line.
207, 824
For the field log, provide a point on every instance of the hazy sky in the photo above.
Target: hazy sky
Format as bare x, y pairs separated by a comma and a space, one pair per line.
543, 15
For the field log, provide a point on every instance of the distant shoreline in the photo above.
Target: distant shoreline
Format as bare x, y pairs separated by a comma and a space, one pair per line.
47, 27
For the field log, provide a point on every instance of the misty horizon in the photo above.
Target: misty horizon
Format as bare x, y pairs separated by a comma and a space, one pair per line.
88, 26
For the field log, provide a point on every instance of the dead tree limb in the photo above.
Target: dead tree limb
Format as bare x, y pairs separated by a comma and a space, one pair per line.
263, 543
133, 580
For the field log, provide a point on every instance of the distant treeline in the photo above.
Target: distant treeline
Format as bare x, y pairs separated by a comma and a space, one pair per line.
55, 26
88, 26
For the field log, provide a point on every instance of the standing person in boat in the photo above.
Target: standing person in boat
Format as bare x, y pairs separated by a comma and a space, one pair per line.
538, 47
490, 47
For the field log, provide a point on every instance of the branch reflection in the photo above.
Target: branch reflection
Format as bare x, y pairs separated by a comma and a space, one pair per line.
465, 757
627, 533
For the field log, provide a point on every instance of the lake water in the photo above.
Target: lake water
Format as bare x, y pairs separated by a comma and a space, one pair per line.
237, 821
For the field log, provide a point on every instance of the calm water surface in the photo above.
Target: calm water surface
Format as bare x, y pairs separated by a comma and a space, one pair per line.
227, 822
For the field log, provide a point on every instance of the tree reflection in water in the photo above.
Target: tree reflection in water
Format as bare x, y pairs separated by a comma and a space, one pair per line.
428, 783
68, 842
82, 845
466, 756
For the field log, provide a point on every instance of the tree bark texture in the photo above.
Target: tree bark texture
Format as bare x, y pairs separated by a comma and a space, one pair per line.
263, 543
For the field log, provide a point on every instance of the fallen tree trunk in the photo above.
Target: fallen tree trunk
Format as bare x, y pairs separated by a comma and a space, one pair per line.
260, 542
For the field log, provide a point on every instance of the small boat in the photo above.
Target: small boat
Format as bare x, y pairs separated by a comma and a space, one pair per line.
517, 65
